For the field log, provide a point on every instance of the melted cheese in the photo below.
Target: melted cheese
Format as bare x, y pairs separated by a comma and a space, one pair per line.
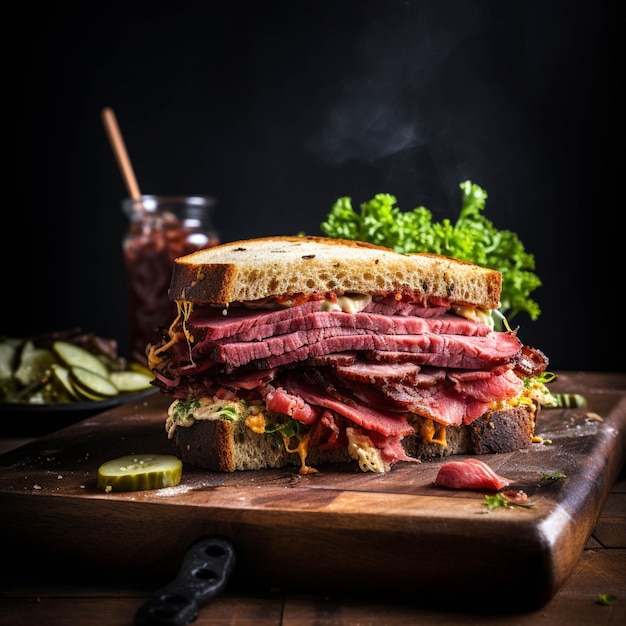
347, 304
184, 309
533, 391
474, 313
352, 303
361, 449
256, 423
433, 432
302, 449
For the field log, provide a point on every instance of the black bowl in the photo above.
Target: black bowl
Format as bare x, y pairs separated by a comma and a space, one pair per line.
36, 420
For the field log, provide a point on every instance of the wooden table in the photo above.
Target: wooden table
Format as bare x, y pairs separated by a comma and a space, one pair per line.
64, 594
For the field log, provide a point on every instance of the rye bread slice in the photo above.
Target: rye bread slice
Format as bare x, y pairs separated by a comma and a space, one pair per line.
224, 446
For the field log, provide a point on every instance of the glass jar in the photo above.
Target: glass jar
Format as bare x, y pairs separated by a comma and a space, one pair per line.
161, 228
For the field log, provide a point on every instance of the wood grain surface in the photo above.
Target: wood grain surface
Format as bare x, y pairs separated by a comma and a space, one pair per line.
339, 530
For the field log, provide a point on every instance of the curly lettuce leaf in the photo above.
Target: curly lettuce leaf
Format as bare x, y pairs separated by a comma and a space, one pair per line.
471, 238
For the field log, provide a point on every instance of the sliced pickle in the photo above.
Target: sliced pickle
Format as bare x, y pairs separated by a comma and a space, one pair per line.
9, 352
32, 374
63, 377
141, 368
131, 381
138, 472
33, 365
75, 356
570, 400
92, 385
84, 394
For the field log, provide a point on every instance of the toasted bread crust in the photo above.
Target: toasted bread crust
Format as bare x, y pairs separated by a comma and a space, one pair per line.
494, 432
224, 446
491, 433
256, 269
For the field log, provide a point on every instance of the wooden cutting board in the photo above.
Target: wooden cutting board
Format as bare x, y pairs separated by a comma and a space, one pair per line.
338, 531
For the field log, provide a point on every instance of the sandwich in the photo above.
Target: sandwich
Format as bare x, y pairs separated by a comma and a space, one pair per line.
305, 351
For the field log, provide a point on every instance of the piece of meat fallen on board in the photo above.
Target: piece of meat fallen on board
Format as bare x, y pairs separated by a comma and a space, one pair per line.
469, 474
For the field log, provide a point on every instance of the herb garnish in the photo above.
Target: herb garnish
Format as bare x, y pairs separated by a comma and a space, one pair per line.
606, 598
506, 501
288, 429
553, 476
185, 409
229, 412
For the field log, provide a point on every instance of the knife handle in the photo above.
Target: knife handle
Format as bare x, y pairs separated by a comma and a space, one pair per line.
205, 570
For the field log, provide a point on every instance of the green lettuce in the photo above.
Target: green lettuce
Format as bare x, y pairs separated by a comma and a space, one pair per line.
471, 238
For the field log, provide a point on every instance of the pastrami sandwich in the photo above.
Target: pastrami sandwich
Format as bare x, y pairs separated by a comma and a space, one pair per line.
309, 350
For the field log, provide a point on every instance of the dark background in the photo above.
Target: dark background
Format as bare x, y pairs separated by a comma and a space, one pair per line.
279, 108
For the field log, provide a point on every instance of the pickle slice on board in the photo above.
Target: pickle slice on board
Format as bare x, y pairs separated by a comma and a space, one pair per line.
138, 472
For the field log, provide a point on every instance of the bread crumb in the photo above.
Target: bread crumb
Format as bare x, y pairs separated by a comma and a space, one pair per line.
593, 417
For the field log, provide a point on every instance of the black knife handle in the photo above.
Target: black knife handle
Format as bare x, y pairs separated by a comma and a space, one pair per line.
204, 573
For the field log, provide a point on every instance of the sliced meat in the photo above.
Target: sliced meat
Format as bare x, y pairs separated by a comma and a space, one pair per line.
377, 373
499, 387
460, 376
242, 324
391, 449
371, 322
215, 325
350, 392
386, 423
457, 351
469, 474
333, 370
248, 379
295, 406
530, 362
337, 358
439, 403
391, 306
